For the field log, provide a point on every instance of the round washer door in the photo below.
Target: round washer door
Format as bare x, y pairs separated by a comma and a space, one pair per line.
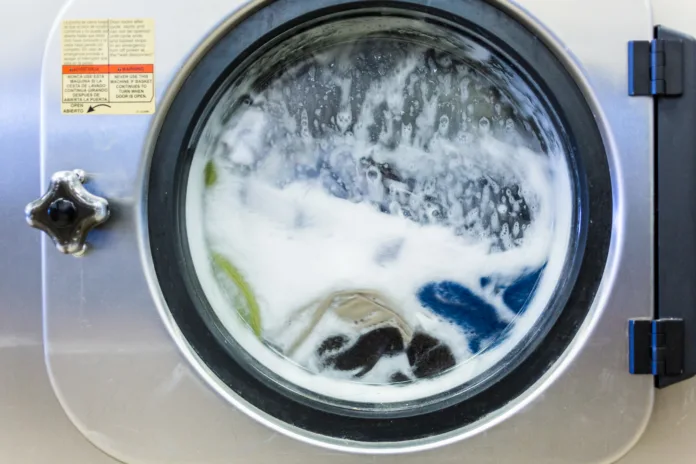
378, 221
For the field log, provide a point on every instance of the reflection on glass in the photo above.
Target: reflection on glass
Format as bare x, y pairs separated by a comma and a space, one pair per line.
383, 219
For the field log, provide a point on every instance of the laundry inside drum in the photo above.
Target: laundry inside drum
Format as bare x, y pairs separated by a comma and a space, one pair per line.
380, 211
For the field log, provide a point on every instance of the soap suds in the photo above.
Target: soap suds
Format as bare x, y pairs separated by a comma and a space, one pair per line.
386, 166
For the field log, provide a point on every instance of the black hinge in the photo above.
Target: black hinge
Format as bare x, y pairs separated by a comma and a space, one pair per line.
665, 69
656, 347
655, 67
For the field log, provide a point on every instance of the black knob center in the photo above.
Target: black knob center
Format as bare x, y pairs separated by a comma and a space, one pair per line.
62, 212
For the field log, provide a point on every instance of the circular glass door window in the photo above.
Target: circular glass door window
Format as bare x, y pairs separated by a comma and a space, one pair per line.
379, 213
379, 217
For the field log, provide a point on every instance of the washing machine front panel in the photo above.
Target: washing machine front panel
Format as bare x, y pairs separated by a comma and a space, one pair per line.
103, 313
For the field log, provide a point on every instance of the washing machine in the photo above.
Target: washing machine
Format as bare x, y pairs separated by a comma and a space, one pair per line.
365, 231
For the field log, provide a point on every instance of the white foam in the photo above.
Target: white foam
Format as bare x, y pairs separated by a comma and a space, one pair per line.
295, 241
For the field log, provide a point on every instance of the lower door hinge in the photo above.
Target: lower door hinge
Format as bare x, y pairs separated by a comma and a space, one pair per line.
655, 67
656, 347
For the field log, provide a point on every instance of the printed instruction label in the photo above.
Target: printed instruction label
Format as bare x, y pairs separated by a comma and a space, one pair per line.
108, 66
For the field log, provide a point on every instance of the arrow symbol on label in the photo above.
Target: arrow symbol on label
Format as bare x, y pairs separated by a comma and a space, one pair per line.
91, 108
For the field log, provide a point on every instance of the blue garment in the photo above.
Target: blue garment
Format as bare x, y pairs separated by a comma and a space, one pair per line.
517, 295
461, 306
478, 318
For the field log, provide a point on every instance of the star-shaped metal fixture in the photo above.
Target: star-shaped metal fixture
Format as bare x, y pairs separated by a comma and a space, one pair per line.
67, 212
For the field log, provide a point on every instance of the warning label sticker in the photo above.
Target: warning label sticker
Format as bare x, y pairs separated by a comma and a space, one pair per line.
108, 66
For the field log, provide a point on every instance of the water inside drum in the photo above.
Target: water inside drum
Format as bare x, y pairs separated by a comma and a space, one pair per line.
381, 213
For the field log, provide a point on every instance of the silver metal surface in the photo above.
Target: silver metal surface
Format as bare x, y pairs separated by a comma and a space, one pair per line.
129, 389
34, 429
83, 212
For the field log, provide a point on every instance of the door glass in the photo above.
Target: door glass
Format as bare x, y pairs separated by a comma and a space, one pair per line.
379, 212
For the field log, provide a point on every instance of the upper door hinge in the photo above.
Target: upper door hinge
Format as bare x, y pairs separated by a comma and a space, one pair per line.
655, 67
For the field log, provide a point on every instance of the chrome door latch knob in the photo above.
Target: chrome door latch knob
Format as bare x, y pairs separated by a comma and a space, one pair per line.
67, 212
